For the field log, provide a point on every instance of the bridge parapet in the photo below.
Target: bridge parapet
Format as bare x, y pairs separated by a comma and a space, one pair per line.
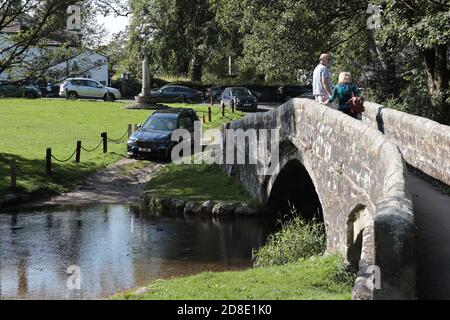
424, 144
359, 177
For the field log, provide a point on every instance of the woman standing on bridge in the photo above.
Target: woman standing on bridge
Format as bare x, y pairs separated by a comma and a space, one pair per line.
344, 91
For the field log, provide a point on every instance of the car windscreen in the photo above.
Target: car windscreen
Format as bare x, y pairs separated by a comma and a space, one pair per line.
165, 123
241, 92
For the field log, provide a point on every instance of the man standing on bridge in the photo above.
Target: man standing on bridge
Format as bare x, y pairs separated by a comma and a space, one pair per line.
322, 85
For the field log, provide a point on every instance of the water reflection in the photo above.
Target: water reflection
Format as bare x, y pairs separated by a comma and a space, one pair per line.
116, 247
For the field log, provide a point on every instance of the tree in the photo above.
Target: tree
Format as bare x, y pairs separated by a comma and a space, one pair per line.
422, 27
116, 51
281, 37
176, 34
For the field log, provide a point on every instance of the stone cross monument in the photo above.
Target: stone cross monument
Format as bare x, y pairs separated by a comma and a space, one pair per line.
144, 99
146, 79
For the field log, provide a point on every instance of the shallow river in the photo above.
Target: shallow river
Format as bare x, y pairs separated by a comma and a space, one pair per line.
93, 252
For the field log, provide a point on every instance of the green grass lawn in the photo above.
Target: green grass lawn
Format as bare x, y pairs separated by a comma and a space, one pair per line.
198, 183
317, 278
29, 127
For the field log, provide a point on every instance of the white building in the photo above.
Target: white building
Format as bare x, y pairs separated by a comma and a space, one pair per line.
79, 63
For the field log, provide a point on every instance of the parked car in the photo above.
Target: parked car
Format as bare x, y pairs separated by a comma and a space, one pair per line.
75, 88
176, 93
286, 93
53, 93
12, 90
153, 138
239, 98
216, 93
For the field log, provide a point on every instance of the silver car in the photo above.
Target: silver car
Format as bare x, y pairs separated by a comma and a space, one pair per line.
75, 88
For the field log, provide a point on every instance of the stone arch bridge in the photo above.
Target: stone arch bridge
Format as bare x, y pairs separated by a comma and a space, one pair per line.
353, 173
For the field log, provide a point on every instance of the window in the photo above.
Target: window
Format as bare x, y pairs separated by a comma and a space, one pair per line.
167, 90
78, 83
178, 89
241, 92
158, 122
92, 84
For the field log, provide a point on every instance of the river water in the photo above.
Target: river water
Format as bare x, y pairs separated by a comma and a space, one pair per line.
108, 248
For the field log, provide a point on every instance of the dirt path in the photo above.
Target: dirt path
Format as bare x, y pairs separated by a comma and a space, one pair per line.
121, 182
432, 213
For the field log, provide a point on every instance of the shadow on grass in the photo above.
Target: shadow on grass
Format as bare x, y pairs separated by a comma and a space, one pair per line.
32, 179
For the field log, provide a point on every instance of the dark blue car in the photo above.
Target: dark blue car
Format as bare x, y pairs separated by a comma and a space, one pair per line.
153, 138
239, 98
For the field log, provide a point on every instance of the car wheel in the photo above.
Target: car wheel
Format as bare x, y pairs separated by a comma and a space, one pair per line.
30, 95
109, 97
168, 156
72, 95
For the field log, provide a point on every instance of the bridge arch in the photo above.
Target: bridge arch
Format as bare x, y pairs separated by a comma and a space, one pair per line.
293, 188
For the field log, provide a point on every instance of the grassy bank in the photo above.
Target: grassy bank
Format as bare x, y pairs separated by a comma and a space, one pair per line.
29, 127
316, 278
290, 266
198, 183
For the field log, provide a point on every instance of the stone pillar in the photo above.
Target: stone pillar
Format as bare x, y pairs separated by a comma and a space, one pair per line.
146, 79
144, 99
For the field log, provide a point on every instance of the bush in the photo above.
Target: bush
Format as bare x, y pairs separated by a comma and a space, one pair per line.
298, 239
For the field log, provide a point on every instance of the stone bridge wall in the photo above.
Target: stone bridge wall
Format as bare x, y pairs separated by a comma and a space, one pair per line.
424, 144
359, 177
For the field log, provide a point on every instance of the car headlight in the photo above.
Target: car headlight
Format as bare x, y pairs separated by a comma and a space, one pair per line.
132, 141
238, 100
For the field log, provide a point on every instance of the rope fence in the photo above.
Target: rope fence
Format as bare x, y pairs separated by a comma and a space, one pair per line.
92, 150
50, 157
66, 160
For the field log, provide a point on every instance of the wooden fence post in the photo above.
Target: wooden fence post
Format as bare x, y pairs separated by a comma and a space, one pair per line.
48, 161
209, 114
232, 108
78, 153
204, 118
105, 142
223, 111
13, 175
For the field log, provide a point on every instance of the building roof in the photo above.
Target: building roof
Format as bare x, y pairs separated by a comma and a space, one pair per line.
55, 39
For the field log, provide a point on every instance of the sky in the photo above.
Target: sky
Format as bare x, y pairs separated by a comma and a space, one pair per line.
113, 24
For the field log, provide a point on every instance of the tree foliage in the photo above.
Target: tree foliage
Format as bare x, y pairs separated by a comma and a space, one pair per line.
176, 34
419, 33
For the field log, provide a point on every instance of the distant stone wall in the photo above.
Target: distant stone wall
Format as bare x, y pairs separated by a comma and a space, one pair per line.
424, 144
359, 177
